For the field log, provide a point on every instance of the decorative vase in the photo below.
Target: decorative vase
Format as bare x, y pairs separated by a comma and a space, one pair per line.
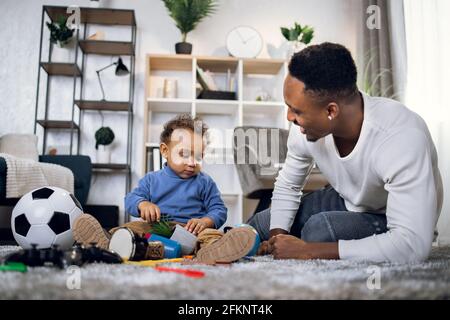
103, 154
183, 48
64, 52
170, 88
293, 47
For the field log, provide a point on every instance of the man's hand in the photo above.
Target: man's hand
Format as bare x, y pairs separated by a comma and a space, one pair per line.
149, 211
196, 226
289, 247
264, 246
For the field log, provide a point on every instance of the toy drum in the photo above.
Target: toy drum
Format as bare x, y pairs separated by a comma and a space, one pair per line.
128, 245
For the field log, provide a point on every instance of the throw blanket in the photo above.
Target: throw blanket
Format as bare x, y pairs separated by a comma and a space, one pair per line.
24, 175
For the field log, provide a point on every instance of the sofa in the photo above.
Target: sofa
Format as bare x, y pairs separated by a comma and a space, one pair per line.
81, 167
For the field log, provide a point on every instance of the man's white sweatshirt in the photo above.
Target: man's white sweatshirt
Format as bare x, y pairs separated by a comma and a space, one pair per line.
392, 170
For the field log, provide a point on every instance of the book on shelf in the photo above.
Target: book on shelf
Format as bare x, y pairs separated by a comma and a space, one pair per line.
210, 88
205, 79
155, 160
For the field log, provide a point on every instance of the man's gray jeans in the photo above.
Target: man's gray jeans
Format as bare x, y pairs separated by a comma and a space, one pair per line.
323, 217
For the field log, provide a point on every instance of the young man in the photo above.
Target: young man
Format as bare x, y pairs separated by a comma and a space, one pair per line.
385, 191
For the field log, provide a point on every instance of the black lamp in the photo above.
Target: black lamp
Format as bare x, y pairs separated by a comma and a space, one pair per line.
121, 70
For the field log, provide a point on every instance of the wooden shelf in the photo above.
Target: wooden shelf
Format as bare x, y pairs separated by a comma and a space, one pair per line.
61, 68
58, 124
110, 48
183, 62
103, 105
217, 64
117, 167
179, 62
262, 66
151, 144
264, 103
226, 107
96, 15
169, 105
266, 107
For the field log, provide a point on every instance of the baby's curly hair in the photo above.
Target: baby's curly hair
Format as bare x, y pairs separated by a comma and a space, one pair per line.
182, 121
327, 70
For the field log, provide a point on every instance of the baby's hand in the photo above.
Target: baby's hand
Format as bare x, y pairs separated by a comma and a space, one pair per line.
195, 226
149, 211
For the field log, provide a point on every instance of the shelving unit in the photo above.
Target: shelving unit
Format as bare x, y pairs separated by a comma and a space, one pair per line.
76, 71
222, 116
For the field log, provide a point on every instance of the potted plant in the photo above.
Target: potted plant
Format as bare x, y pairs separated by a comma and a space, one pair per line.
299, 37
59, 32
103, 138
187, 14
61, 38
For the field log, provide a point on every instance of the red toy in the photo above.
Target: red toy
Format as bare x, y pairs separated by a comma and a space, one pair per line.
187, 272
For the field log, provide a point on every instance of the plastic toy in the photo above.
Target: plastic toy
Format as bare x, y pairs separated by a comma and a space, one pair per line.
131, 246
186, 239
80, 255
185, 272
38, 257
13, 266
172, 249
77, 255
255, 247
152, 263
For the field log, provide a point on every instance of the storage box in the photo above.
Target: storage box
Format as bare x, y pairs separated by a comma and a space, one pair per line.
218, 95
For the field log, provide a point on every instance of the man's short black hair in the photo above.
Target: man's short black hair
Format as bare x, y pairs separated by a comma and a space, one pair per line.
327, 70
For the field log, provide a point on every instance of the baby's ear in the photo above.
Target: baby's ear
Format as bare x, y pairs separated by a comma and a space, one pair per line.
164, 149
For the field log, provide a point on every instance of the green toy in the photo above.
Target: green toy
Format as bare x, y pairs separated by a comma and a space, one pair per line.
13, 266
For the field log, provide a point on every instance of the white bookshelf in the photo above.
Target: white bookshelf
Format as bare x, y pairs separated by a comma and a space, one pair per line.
222, 116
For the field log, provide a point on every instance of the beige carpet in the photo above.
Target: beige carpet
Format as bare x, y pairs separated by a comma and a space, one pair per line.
263, 279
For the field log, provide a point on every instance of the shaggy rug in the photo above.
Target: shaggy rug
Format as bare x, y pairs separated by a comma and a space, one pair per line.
263, 278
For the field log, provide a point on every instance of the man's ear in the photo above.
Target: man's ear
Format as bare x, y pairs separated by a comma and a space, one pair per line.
333, 110
164, 149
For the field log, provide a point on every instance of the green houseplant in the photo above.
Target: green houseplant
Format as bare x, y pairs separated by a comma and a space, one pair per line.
103, 138
187, 14
298, 37
59, 32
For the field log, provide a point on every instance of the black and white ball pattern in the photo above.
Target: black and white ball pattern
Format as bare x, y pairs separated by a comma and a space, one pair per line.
45, 217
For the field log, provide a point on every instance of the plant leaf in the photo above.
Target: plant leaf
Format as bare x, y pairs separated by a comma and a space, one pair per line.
298, 28
285, 33
293, 35
187, 14
308, 34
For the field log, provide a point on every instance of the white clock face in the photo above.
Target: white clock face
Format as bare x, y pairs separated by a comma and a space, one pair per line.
244, 42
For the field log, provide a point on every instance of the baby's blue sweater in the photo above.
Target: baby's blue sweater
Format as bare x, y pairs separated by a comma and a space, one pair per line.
181, 199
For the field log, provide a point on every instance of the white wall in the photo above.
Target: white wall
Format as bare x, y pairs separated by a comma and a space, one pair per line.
333, 20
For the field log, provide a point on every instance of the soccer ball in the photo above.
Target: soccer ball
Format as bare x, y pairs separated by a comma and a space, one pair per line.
45, 217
